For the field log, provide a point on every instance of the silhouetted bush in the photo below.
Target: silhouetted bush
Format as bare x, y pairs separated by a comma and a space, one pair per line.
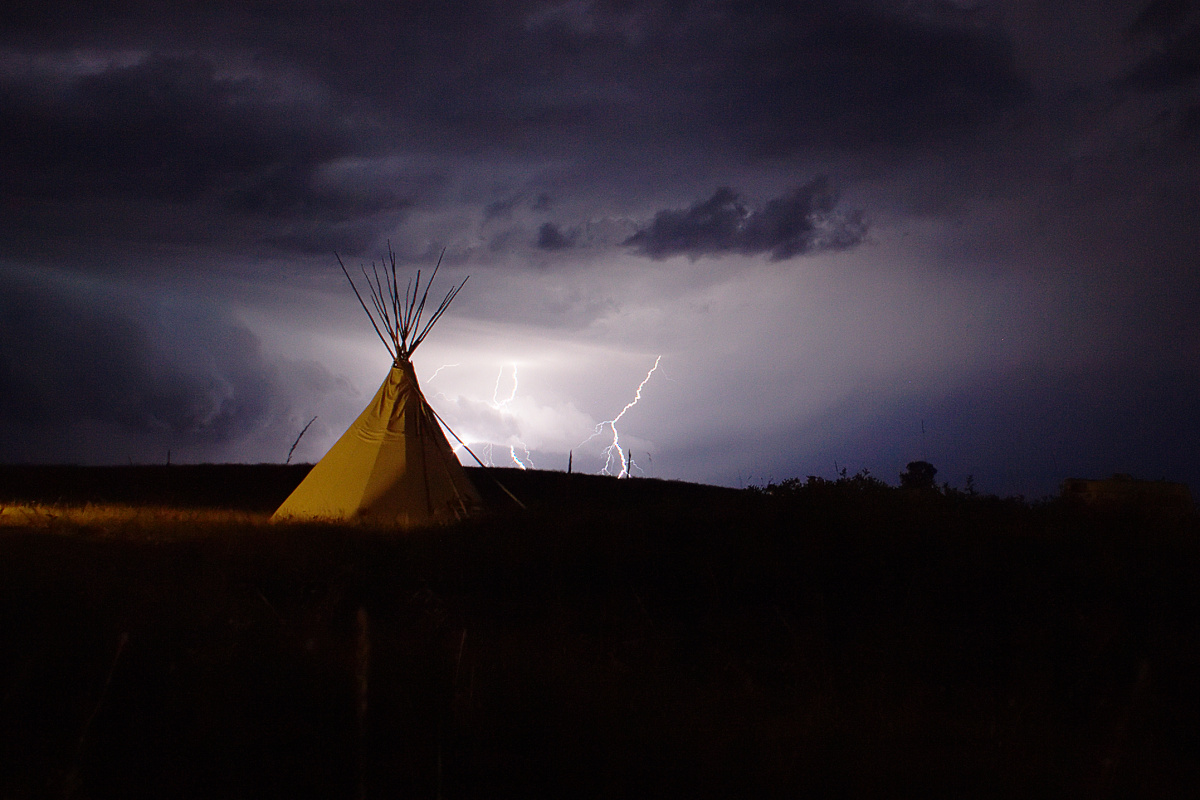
918, 475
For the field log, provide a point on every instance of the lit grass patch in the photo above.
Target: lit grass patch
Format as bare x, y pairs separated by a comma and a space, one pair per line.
125, 521
167, 523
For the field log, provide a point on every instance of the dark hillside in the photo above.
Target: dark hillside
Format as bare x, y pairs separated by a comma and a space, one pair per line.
262, 487
538, 489
616, 639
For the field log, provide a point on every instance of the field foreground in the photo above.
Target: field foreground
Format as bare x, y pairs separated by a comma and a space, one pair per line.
159, 638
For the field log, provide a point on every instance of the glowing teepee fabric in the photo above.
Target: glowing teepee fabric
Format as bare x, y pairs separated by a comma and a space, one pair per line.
394, 464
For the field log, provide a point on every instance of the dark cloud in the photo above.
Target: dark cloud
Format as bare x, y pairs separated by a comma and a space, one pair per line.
760, 78
223, 127
504, 207
246, 156
320, 238
500, 209
74, 359
550, 78
165, 128
1161, 18
799, 223
853, 75
551, 237
1189, 124
1171, 32
1175, 66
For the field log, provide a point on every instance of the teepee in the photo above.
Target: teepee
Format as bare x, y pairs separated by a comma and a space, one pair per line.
394, 465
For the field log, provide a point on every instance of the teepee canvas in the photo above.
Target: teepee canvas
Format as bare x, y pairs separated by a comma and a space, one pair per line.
394, 464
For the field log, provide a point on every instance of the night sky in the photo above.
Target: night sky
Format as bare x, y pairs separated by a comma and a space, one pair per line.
857, 234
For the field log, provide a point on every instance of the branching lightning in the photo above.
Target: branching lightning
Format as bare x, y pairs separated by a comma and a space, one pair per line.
502, 405
613, 451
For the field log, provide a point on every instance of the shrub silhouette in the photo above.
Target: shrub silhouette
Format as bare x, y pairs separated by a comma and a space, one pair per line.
918, 475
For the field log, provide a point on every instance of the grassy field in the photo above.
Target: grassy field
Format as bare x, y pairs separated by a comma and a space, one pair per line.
642, 638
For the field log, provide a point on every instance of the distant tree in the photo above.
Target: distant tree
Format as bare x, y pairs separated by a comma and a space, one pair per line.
918, 475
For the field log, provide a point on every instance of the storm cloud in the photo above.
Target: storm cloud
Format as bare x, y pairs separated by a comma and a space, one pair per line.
800, 223
551, 237
103, 360
175, 178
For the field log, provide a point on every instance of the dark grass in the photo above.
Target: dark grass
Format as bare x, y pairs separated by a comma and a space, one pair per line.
616, 639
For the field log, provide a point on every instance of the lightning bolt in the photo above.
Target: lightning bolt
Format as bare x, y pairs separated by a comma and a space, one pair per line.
496, 391
439, 369
512, 451
502, 405
614, 450
487, 449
